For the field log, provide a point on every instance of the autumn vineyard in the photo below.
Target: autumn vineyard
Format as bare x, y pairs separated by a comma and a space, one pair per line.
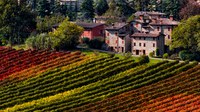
41, 80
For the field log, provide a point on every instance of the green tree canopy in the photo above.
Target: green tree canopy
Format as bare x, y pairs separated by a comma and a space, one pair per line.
45, 24
101, 7
187, 34
113, 9
43, 8
67, 35
87, 10
16, 21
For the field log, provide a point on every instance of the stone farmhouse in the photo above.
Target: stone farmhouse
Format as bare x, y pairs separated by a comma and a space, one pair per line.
145, 43
154, 22
118, 37
148, 32
153, 30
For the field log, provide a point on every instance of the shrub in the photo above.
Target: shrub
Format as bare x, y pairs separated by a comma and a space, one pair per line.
96, 43
85, 40
96, 53
186, 55
127, 55
111, 55
143, 59
151, 54
165, 56
157, 52
41, 41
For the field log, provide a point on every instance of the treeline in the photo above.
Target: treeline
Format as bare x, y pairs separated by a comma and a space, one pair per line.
20, 19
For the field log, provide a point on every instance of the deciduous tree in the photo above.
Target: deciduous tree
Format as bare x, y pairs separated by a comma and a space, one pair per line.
87, 10
16, 21
67, 35
101, 7
187, 34
190, 9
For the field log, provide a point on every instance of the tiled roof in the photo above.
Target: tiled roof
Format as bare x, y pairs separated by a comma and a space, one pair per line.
145, 35
84, 25
88, 25
164, 21
116, 26
138, 13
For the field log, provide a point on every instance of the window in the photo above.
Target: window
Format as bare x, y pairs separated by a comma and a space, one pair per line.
168, 36
136, 24
169, 28
122, 42
158, 28
115, 33
158, 38
144, 45
154, 44
153, 38
101, 32
134, 44
144, 38
139, 44
107, 34
140, 38
107, 41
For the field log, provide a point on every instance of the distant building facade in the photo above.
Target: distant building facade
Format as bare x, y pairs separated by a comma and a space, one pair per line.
154, 22
118, 37
92, 30
145, 43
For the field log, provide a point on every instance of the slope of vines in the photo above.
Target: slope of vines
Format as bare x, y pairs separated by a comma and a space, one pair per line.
41, 80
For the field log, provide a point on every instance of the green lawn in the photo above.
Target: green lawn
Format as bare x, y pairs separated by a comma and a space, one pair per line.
90, 52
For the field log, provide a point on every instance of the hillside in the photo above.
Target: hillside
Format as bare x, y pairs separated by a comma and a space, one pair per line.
41, 80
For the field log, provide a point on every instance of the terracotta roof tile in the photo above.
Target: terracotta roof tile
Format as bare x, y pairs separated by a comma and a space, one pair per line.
88, 25
116, 26
145, 35
164, 21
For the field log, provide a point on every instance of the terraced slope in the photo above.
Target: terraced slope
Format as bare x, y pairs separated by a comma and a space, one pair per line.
74, 82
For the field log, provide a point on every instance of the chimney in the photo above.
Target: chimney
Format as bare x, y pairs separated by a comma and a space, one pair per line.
141, 17
161, 21
171, 17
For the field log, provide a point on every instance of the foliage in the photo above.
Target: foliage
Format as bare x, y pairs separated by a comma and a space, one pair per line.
143, 59
166, 55
85, 40
87, 10
46, 24
187, 34
131, 18
40, 41
43, 8
187, 55
16, 21
191, 9
127, 55
124, 7
96, 43
66, 36
151, 54
59, 81
111, 55
113, 9
101, 7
